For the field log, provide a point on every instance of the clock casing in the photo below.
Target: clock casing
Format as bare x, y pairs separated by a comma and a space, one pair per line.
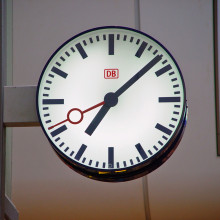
112, 103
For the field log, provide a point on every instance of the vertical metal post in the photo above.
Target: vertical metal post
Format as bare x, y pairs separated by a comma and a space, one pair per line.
2, 129
216, 19
137, 14
144, 179
8, 82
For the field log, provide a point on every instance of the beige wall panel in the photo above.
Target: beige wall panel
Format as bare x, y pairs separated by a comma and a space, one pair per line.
187, 185
43, 187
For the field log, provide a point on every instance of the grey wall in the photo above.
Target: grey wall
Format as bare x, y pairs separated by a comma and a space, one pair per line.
187, 185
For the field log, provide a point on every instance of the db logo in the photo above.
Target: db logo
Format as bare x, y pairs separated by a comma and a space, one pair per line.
111, 73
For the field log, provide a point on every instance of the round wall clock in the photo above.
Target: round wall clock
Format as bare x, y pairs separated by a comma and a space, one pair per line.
112, 103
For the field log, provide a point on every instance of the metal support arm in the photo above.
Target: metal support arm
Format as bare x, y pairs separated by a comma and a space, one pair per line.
20, 107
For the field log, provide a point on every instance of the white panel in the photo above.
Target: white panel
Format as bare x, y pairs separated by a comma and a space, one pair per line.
187, 185
43, 187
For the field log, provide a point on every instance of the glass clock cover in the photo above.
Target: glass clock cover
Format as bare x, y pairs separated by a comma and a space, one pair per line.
112, 103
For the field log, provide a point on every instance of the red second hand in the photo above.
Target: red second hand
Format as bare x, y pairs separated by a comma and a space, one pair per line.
95, 106
57, 124
81, 112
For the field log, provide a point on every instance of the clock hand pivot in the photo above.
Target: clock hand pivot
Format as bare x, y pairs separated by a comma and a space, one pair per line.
111, 99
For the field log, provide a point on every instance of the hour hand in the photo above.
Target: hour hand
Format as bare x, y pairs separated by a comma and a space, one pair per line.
98, 118
110, 100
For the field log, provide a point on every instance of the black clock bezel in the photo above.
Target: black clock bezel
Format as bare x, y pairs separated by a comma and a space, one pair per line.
135, 171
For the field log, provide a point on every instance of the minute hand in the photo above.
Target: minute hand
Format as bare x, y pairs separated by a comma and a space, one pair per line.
138, 75
111, 99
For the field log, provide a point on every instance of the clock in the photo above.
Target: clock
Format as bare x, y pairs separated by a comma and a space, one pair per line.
112, 103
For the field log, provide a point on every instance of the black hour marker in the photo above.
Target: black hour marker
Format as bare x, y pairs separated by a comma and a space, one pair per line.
141, 49
175, 86
46, 115
72, 49
90, 162
111, 157
67, 148
111, 44
81, 51
177, 106
58, 130
141, 151
163, 129
138, 160
48, 121
103, 165
171, 73
138, 41
97, 164
118, 165
150, 152
59, 72
169, 99
48, 81
84, 159
97, 38
118, 36
174, 79
53, 101
46, 88
45, 108
125, 38
50, 75
131, 40
71, 154
163, 70
131, 161
104, 37
90, 39
80, 152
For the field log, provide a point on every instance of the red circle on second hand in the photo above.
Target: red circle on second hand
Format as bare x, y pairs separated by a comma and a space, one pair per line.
70, 111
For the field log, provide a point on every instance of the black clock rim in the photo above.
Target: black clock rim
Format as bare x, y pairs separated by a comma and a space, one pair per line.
94, 172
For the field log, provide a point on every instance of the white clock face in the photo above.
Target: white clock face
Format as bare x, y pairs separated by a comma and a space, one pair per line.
111, 100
